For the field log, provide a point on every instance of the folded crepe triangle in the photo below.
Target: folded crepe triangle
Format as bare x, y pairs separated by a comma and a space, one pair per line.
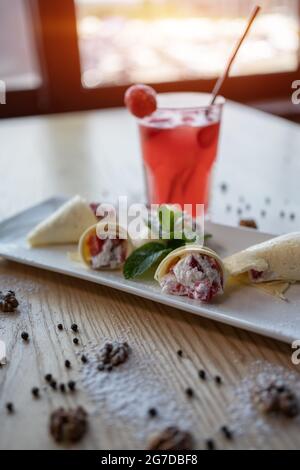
279, 256
276, 261
274, 288
65, 225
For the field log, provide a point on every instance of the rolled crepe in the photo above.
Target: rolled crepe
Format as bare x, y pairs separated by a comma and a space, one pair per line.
65, 225
194, 271
108, 252
277, 259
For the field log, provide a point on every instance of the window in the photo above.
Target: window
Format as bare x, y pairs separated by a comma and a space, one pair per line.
124, 41
65, 55
19, 65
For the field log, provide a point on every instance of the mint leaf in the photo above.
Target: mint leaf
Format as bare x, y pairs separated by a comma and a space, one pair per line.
166, 219
175, 243
144, 258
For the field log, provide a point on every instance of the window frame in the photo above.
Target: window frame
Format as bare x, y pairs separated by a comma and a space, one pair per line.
61, 91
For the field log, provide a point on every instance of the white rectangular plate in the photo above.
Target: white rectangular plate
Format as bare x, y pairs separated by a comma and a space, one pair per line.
246, 308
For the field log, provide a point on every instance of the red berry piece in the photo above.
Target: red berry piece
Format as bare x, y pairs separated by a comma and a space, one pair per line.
94, 206
256, 274
208, 135
141, 100
95, 244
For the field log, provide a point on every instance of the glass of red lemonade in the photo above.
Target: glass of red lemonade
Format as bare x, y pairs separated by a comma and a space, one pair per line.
179, 146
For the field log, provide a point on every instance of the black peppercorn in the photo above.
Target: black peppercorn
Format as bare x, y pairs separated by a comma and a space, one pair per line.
48, 377
84, 359
67, 364
62, 388
179, 353
53, 384
152, 412
35, 392
72, 385
24, 336
210, 444
60, 327
218, 380
202, 374
74, 327
75, 340
189, 392
224, 187
10, 407
227, 433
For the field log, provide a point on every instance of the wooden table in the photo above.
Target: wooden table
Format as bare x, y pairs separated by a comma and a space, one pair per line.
96, 154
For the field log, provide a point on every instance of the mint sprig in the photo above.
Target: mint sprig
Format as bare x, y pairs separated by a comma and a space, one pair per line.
143, 258
167, 227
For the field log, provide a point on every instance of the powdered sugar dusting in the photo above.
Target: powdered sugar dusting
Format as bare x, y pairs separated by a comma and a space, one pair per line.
244, 415
20, 286
128, 391
12, 322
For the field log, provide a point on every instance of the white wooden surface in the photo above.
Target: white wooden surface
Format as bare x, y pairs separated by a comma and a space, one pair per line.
96, 154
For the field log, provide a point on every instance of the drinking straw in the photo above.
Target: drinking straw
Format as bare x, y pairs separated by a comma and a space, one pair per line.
230, 62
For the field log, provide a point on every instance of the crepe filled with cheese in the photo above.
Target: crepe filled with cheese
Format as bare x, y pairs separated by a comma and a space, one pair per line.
65, 225
193, 271
105, 245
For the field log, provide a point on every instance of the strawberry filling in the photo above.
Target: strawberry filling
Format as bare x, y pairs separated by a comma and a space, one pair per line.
262, 276
108, 253
255, 275
196, 276
94, 207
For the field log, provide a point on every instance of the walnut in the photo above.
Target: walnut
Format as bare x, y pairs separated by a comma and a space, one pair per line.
112, 354
250, 223
171, 438
277, 397
8, 301
68, 425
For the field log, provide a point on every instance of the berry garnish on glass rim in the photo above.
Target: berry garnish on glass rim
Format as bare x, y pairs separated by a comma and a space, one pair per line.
140, 100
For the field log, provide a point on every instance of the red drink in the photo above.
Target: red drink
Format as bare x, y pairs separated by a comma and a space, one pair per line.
179, 147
